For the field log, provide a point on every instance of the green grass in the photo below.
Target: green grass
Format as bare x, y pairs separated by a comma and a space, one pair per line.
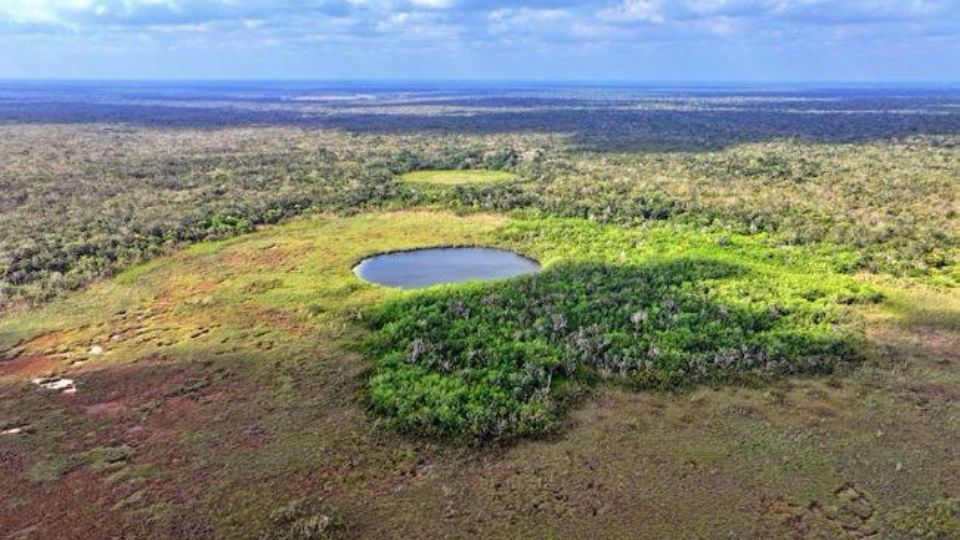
99, 459
239, 278
940, 520
457, 177
51, 468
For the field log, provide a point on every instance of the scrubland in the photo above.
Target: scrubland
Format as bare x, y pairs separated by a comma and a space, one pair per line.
748, 326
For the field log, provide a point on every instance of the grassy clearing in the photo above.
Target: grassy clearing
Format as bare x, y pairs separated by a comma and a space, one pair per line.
307, 271
202, 352
457, 177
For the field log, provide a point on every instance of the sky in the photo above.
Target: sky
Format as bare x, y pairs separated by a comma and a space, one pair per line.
594, 40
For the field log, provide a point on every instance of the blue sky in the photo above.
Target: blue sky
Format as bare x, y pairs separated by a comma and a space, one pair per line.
652, 40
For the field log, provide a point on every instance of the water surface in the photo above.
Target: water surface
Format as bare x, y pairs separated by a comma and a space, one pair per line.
425, 267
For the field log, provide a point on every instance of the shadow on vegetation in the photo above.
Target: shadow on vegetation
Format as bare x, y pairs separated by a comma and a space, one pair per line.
500, 360
926, 311
162, 409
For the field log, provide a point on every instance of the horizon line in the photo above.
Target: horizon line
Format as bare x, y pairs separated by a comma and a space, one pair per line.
489, 80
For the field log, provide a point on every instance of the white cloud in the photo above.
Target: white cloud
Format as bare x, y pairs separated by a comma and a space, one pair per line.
557, 23
648, 11
511, 19
433, 4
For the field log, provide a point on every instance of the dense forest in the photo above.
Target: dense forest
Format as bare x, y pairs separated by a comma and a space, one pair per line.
79, 201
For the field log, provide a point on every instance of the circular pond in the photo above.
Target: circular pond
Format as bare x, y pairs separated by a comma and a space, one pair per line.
433, 266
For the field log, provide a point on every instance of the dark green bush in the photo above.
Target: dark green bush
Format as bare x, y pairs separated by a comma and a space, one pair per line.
495, 361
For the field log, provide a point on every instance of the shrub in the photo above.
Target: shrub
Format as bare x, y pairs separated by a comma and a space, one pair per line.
502, 360
305, 519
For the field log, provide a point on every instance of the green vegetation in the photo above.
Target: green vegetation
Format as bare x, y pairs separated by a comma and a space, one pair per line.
494, 361
306, 520
83, 202
98, 459
228, 367
93, 201
52, 468
894, 205
941, 519
107, 458
747, 322
457, 177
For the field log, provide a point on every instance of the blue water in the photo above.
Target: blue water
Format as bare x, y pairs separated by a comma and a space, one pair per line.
426, 267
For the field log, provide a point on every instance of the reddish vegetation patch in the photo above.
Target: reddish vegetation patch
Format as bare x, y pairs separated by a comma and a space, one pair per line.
782, 513
60, 513
107, 408
937, 392
268, 257
147, 405
10, 461
34, 358
821, 410
141, 380
283, 320
30, 366
171, 418
44, 342
170, 297
251, 438
936, 341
